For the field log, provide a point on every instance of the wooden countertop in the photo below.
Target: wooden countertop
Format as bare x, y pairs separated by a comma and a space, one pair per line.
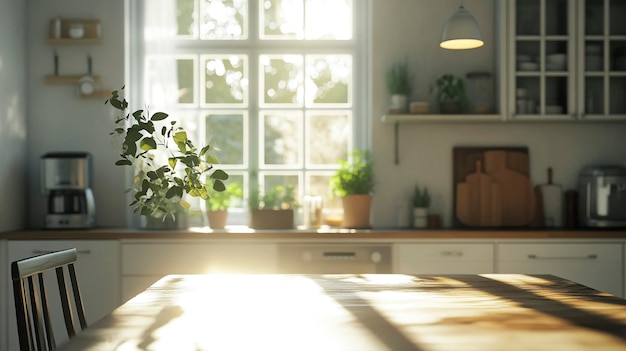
487, 312
322, 234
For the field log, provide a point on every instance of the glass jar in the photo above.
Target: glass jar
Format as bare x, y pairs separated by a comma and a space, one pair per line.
480, 92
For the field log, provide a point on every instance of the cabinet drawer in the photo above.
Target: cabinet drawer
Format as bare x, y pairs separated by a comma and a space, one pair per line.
159, 259
443, 258
598, 266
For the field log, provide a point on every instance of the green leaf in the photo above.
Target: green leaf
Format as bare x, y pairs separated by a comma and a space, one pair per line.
123, 163
212, 159
159, 116
174, 191
147, 144
218, 185
219, 174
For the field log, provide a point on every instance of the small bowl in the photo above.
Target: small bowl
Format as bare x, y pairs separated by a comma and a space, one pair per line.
550, 66
556, 59
528, 66
523, 58
593, 49
554, 109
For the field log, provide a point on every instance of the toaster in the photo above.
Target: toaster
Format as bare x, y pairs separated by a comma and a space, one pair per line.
602, 196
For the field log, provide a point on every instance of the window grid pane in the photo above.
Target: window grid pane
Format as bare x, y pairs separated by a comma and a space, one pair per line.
302, 107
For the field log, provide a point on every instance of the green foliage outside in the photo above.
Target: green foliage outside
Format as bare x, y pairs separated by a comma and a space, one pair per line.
221, 200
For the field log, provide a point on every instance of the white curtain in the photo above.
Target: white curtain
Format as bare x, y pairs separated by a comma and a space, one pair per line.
160, 82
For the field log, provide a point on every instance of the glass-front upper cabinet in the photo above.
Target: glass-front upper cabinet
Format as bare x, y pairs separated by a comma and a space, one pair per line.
542, 59
602, 49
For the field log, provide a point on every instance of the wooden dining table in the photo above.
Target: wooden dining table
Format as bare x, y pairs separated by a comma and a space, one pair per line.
361, 312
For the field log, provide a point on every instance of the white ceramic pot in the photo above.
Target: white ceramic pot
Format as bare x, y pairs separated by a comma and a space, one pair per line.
398, 102
420, 217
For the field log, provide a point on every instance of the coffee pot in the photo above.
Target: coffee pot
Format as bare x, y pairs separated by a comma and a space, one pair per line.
66, 181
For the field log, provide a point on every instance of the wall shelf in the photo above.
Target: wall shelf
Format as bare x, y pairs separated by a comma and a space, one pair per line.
440, 118
67, 79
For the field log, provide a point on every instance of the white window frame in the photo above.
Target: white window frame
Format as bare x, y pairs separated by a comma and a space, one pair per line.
361, 116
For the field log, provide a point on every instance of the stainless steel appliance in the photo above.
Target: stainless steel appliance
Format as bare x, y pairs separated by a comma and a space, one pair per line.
66, 182
602, 196
334, 259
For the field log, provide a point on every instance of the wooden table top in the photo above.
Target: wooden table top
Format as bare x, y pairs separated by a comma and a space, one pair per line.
362, 312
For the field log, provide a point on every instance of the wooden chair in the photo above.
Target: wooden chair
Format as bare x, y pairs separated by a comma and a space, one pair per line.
31, 301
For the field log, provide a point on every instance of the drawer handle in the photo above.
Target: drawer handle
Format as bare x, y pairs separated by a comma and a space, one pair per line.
39, 251
587, 257
452, 253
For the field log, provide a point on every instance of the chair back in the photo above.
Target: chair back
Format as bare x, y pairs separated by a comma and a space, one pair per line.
31, 302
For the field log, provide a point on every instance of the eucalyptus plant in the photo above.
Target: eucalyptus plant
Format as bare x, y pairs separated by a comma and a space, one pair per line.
167, 165
355, 176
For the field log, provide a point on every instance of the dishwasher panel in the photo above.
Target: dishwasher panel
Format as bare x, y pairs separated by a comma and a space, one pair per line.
334, 259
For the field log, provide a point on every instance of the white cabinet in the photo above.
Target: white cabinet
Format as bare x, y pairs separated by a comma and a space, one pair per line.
597, 265
443, 258
97, 270
567, 59
144, 262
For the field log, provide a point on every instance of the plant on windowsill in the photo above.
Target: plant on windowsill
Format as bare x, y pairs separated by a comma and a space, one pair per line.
166, 164
421, 202
451, 94
354, 183
399, 85
218, 204
274, 210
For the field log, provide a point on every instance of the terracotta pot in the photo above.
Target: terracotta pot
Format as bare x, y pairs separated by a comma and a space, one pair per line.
217, 219
356, 211
271, 219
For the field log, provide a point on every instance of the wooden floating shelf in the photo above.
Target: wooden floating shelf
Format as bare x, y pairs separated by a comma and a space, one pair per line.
67, 79
90, 31
440, 118
98, 94
69, 41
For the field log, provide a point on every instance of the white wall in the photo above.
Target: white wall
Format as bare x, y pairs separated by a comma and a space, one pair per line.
413, 28
61, 121
13, 144
402, 28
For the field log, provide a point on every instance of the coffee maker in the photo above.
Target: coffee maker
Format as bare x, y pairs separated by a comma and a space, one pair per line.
66, 182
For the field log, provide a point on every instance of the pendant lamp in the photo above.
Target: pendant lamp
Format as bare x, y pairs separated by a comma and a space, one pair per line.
461, 32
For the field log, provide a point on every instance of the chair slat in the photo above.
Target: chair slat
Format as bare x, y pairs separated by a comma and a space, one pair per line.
31, 300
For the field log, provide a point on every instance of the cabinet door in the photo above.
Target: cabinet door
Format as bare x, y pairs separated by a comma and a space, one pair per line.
97, 270
598, 266
443, 258
145, 263
542, 59
602, 41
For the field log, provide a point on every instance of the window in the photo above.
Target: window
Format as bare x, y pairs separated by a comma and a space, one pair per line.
271, 84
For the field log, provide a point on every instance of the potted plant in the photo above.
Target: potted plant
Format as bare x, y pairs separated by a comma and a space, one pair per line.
273, 210
167, 166
218, 203
421, 202
451, 94
354, 183
400, 85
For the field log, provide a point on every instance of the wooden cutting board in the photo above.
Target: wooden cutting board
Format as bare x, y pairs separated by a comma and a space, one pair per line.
478, 200
518, 199
512, 204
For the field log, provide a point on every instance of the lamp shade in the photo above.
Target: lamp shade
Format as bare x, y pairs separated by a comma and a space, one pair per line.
461, 32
